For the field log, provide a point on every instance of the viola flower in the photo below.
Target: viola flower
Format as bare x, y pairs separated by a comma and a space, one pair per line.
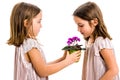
72, 44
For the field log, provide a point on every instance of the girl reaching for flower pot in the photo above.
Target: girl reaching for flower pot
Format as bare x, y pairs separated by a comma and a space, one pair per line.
30, 63
99, 58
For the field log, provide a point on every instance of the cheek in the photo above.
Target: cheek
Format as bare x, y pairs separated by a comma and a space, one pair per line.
89, 31
81, 29
37, 29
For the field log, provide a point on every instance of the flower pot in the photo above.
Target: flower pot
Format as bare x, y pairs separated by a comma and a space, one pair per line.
71, 51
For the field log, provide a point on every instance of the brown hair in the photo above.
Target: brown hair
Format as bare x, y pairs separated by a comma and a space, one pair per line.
88, 11
21, 11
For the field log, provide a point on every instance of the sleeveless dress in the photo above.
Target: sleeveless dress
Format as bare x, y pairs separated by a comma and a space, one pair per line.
24, 70
93, 65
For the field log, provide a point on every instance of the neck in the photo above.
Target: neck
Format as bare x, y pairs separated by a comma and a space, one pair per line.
90, 40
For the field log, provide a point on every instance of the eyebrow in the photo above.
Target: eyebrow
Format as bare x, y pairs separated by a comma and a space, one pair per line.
79, 23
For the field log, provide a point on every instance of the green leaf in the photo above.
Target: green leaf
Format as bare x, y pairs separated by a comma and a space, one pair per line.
76, 47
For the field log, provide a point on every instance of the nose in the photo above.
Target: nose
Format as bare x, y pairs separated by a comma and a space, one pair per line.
78, 29
40, 25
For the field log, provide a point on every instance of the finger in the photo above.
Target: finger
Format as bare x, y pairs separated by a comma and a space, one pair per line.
77, 52
79, 55
78, 58
67, 52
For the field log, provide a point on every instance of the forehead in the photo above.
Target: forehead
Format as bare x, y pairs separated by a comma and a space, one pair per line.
38, 16
79, 20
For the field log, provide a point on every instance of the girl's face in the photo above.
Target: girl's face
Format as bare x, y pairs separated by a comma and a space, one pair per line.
36, 24
84, 27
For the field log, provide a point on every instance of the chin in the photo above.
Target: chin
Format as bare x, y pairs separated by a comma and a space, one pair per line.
86, 38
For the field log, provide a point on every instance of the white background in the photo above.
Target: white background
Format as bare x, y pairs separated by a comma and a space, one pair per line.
57, 26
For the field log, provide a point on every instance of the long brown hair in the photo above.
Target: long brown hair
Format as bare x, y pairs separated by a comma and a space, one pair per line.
21, 11
88, 11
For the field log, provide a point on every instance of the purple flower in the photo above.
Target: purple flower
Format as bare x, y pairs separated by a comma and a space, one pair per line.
69, 42
70, 39
76, 38
73, 40
73, 44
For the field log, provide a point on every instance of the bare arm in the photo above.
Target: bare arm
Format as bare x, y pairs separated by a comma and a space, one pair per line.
110, 61
44, 69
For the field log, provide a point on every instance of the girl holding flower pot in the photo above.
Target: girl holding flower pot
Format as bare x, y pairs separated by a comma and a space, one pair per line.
99, 58
30, 63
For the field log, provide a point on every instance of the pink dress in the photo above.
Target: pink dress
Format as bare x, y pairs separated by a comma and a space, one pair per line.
24, 70
94, 66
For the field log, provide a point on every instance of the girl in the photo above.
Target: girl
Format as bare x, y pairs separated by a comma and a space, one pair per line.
30, 64
99, 58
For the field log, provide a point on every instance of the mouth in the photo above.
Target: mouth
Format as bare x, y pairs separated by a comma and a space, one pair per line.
82, 33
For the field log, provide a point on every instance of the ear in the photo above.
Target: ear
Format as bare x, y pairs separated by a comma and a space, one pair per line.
25, 22
94, 22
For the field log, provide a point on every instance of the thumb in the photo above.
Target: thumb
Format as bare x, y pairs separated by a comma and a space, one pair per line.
68, 53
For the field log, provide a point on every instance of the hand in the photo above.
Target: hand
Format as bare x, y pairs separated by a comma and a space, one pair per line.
74, 57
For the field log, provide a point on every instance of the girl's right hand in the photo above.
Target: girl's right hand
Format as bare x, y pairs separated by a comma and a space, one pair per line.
74, 57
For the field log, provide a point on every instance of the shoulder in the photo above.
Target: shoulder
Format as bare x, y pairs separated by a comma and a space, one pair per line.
29, 43
102, 40
103, 43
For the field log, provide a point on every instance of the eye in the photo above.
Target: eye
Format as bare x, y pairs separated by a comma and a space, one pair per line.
80, 25
39, 21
